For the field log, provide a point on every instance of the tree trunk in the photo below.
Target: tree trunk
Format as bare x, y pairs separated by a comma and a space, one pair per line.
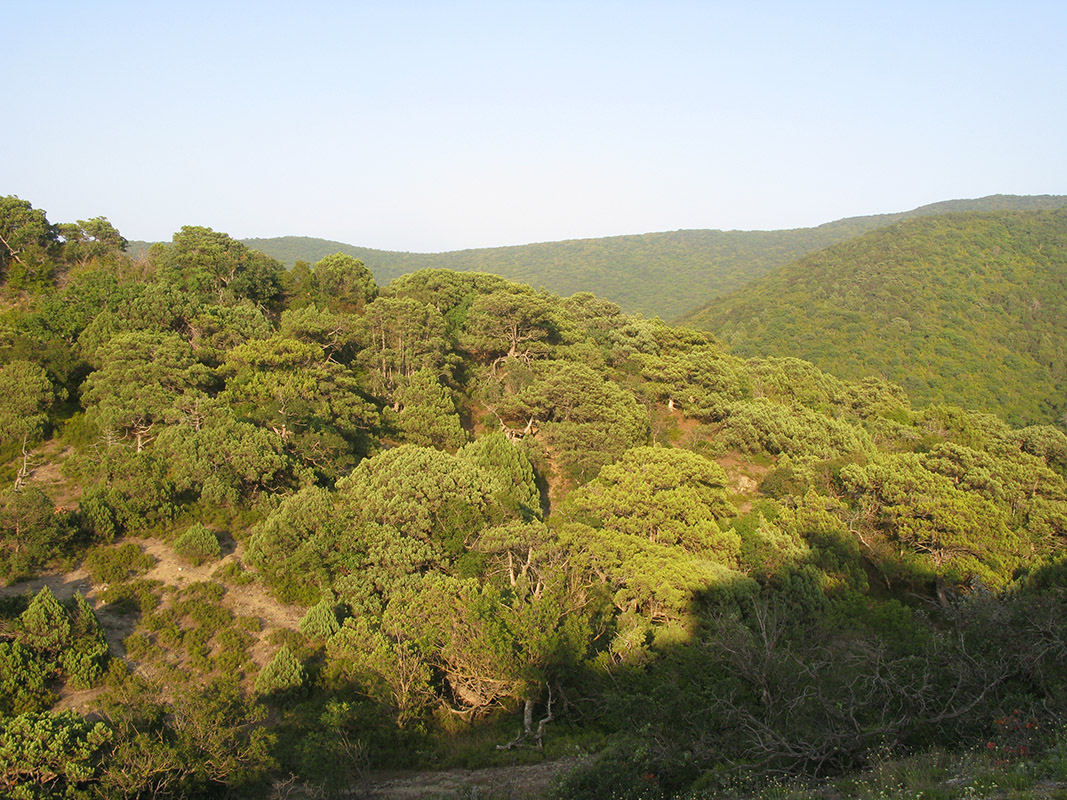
527, 716
24, 470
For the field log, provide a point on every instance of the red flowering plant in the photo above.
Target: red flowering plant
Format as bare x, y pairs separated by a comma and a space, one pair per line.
1017, 737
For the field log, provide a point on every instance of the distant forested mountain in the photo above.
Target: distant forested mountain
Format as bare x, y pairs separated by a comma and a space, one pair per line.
965, 308
655, 274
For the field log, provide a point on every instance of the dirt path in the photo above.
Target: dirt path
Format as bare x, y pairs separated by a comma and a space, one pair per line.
246, 601
525, 782
63, 585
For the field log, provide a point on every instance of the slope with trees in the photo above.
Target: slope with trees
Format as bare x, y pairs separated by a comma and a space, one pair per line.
968, 309
482, 521
656, 274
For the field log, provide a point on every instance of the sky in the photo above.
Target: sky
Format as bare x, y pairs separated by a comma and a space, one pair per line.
433, 126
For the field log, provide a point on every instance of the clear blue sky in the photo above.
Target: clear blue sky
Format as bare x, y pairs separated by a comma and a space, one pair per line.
430, 126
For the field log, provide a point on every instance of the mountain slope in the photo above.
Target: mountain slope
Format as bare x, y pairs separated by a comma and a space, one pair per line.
661, 274
419, 517
964, 308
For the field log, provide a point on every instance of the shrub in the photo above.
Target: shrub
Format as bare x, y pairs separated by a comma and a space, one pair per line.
619, 773
97, 518
210, 616
139, 595
32, 531
232, 649
283, 676
203, 592
320, 621
49, 755
22, 680
45, 624
84, 660
197, 545
84, 665
138, 646
117, 564
231, 572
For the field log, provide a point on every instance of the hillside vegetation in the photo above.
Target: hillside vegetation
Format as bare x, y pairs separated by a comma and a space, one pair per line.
655, 274
968, 309
302, 527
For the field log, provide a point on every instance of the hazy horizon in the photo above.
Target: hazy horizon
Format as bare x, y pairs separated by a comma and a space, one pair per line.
428, 127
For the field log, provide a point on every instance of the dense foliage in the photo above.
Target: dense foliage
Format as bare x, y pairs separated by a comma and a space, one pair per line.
663, 274
968, 309
330, 525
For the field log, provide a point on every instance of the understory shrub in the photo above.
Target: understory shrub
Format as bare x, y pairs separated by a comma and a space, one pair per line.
117, 564
197, 545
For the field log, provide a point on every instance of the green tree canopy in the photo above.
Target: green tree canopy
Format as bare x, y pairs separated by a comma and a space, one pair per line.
961, 534
226, 461
294, 548
215, 266
313, 404
140, 377
32, 531
91, 239
343, 283
26, 394
587, 420
667, 496
29, 244
508, 465
214, 330
512, 322
426, 413
425, 493
450, 293
401, 336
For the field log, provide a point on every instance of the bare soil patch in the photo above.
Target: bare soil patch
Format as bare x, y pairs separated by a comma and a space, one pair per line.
63, 585
244, 601
47, 461
523, 782
251, 600
742, 479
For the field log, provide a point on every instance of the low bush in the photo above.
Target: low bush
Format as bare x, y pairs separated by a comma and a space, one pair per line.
197, 545
282, 677
117, 564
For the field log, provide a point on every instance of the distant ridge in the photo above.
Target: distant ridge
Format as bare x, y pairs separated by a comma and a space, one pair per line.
965, 308
656, 274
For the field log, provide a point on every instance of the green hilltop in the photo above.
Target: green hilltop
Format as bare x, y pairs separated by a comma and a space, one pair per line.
965, 308
655, 274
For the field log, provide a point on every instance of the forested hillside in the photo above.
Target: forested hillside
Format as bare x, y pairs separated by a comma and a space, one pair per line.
655, 274
293, 527
966, 308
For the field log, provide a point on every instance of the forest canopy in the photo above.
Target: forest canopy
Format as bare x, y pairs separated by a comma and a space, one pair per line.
331, 526
969, 309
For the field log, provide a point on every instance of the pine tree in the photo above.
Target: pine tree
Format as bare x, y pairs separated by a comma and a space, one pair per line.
45, 625
284, 675
320, 621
